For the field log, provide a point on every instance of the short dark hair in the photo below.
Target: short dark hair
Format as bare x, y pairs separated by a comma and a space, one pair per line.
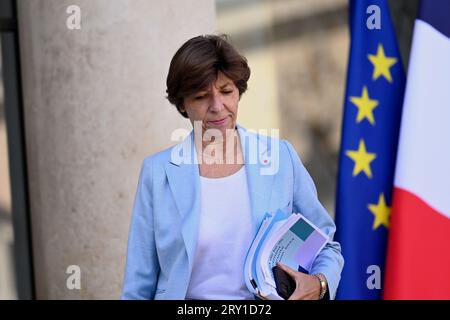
197, 63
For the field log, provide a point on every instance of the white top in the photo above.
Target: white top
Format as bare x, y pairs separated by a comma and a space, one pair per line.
225, 235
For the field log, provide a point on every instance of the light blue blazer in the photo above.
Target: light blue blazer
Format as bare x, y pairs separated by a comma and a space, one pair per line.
165, 218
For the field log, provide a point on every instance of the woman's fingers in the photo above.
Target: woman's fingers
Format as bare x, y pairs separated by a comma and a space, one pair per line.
293, 274
307, 287
287, 269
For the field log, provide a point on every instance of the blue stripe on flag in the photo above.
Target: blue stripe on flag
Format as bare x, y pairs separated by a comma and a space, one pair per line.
437, 14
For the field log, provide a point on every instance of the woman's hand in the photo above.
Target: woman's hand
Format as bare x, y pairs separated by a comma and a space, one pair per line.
307, 286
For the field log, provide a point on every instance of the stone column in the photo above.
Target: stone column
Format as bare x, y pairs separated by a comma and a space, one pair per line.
95, 106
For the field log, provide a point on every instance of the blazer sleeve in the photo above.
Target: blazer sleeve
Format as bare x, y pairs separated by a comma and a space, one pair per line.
142, 267
330, 260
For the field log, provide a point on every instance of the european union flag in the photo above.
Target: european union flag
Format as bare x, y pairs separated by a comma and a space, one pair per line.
372, 112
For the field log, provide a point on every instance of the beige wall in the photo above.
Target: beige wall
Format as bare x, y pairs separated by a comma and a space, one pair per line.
297, 51
94, 108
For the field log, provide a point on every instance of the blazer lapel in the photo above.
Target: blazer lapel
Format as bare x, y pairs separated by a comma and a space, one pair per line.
256, 160
184, 181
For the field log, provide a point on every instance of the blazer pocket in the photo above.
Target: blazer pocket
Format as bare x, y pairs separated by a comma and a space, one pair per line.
160, 291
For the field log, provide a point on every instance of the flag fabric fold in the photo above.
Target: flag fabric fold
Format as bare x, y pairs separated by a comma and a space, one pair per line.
418, 261
370, 128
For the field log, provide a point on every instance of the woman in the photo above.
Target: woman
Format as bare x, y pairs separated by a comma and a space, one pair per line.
198, 205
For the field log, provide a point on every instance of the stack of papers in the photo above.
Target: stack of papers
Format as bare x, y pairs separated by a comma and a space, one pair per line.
290, 239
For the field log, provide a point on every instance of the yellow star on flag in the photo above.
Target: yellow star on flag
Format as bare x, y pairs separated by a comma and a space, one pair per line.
365, 106
381, 64
362, 159
381, 212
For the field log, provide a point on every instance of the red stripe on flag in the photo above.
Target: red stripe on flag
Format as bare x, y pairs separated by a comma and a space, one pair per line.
418, 260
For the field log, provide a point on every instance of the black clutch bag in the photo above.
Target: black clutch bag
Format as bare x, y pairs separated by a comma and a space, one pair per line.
284, 282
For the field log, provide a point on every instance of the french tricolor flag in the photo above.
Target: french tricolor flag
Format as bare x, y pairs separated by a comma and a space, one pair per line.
418, 261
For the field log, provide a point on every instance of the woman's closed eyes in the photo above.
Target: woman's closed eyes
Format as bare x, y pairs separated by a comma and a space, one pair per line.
206, 95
